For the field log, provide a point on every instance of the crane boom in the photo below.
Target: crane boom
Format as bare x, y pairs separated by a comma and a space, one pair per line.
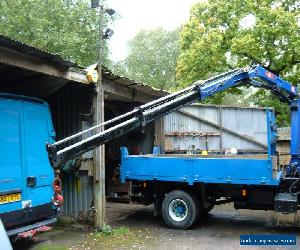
200, 90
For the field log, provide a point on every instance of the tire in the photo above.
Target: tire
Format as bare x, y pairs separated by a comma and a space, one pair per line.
179, 209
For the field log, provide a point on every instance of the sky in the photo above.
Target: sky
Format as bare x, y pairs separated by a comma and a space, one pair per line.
144, 14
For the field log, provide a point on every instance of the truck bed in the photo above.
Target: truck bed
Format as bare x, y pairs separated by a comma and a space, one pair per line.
237, 156
226, 169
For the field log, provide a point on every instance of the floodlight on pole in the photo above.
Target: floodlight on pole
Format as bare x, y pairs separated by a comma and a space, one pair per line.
108, 33
95, 4
110, 12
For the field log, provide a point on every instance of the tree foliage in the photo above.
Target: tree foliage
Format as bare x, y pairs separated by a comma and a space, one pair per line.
65, 27
221, 35
152, 58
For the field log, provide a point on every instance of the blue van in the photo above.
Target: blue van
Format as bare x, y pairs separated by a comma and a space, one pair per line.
26, 175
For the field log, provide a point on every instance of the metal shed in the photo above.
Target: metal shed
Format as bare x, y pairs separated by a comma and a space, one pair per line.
215, 128
30, 71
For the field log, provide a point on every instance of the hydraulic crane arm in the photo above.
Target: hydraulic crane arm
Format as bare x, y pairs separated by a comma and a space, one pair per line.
59, 153
256, 76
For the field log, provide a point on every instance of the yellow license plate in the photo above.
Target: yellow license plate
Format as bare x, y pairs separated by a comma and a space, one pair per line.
10, 198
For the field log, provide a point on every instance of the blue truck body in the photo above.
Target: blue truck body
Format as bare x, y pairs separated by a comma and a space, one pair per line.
239, 170
177, 184
26, 175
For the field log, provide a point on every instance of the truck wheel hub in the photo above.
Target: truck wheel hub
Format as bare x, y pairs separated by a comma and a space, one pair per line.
178, 210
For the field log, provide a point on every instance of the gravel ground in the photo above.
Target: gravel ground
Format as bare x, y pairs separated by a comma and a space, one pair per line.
140, 230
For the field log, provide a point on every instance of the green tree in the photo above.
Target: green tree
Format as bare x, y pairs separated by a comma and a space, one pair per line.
65, 27
152, 58
221, 35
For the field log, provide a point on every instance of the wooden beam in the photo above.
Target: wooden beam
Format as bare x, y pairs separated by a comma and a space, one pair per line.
191, 134
247, 138
17, 59
126, 92
99, 152
99, 161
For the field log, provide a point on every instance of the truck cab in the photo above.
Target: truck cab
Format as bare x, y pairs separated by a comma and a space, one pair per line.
26, 175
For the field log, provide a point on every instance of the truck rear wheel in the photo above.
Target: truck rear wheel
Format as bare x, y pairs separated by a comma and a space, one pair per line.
179, 209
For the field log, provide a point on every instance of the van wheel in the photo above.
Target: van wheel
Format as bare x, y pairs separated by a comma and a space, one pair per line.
179, 209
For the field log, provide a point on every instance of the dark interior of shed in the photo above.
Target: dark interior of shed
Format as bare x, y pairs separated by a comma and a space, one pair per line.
71, 108
139, 141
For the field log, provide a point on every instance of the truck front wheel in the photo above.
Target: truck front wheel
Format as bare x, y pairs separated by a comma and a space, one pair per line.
179, 209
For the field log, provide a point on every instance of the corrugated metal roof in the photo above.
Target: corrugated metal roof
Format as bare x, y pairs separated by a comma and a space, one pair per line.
59, 61
139, 86
33, 51
284, 134
122, 80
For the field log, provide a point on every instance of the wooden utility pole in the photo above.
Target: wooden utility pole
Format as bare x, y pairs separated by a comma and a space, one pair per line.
99, 153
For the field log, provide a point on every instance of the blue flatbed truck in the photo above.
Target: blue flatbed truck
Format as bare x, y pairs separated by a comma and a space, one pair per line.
184, 189
26, 176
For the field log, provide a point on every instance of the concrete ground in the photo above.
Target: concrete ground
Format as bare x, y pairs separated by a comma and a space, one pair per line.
136, 228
